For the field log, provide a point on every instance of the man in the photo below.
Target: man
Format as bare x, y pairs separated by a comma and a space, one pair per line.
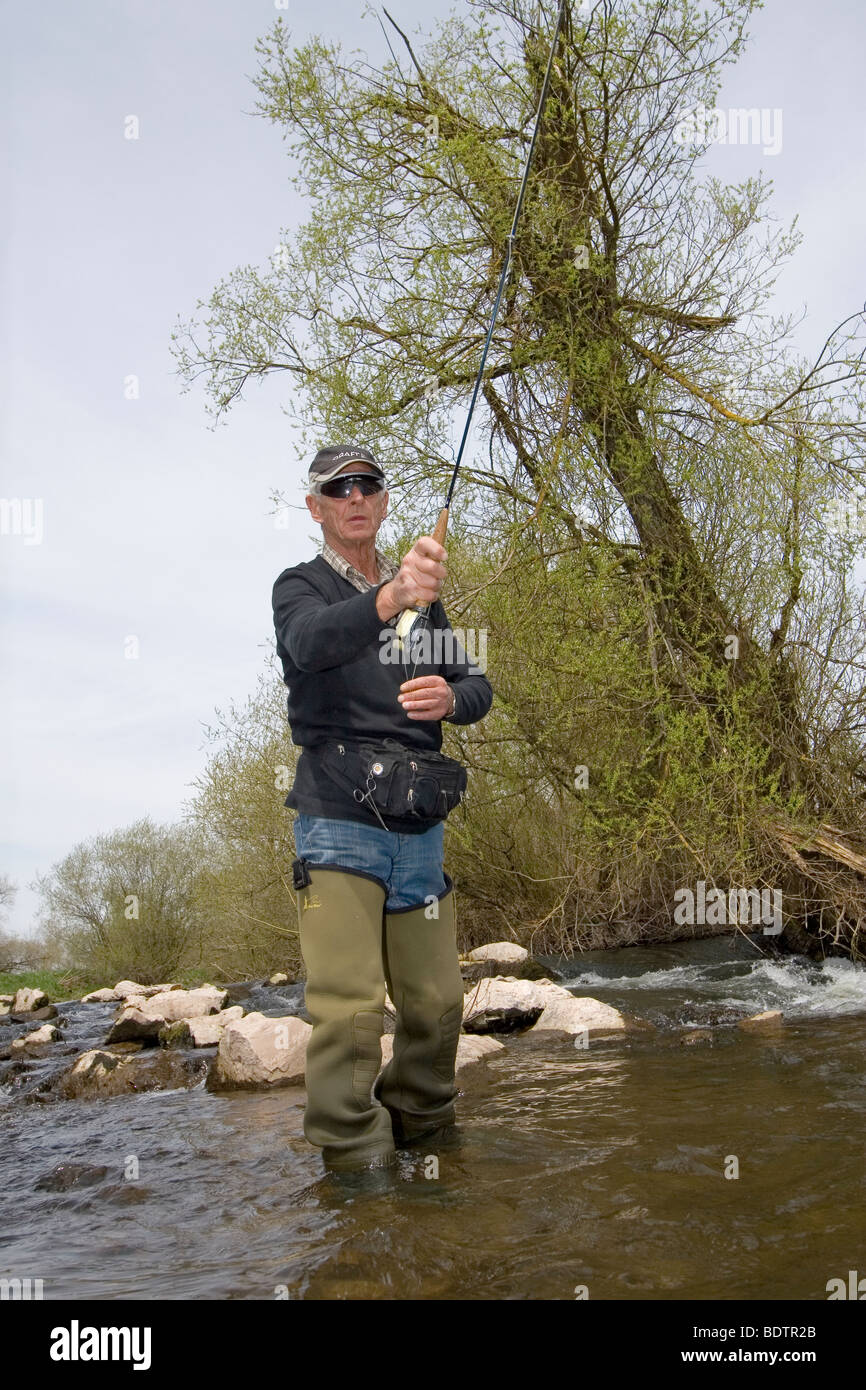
375, 906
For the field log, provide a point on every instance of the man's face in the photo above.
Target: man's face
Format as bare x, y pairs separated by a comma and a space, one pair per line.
349, 520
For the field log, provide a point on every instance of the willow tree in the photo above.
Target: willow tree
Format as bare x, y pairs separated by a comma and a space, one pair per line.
644, 410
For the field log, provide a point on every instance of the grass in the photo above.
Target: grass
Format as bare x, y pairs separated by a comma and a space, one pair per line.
57, 984
71, 984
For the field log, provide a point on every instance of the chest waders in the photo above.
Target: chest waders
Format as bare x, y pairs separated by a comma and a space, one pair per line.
352, 948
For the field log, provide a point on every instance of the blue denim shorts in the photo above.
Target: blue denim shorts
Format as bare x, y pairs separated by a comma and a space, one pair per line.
408, 866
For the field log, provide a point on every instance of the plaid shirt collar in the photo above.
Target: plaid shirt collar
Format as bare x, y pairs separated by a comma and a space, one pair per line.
387, 569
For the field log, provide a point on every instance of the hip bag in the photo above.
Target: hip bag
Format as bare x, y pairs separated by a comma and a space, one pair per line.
397, 781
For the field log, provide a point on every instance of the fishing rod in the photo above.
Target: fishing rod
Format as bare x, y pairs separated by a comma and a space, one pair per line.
409, 615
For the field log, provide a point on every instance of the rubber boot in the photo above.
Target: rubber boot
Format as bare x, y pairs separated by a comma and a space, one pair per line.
423, 975
340, 917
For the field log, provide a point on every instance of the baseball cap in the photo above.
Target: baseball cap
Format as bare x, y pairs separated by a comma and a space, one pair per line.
334, 457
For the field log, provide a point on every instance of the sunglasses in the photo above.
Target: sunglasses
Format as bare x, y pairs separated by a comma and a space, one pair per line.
342, 486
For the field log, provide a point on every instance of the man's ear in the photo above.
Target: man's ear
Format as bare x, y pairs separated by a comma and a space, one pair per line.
313, 504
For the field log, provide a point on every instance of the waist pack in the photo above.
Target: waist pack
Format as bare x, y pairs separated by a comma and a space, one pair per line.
396, 781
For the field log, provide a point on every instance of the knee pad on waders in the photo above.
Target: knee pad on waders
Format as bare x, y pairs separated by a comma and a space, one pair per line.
423, 973
340, 924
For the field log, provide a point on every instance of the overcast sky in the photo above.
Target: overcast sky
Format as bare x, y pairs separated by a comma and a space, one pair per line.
154, 526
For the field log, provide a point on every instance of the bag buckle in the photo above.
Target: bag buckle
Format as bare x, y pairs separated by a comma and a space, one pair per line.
300, 874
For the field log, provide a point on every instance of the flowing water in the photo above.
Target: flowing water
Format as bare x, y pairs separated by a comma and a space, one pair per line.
598, 1172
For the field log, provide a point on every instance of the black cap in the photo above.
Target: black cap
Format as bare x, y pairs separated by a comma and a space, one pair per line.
334, 457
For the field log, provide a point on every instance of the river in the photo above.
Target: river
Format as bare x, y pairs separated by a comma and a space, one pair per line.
637, 1168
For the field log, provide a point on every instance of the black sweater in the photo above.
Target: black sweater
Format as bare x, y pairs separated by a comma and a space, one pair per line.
330, 640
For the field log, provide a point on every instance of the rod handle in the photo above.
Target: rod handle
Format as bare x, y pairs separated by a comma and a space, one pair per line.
441, 527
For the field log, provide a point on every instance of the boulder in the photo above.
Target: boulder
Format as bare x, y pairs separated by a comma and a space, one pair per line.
500, 958
99, 996
173, 1004
500, 1004
24, 1001
103, 1073
144, 1018
475, 1049
258, 1051
768, 1021
279, 977
131, 989
567, 1014
203, 1031
37, 1040
46, 1011
470, 1050
132, 1025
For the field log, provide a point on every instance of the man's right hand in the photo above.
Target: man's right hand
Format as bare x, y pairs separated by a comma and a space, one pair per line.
419, 581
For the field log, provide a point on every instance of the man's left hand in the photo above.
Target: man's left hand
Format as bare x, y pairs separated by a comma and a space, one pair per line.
426, 697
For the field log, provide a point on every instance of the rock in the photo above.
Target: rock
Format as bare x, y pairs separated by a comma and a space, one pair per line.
506, 951
103, 1073
696, 1035
6, 998
474, 1049
171, 1005
770, 1019
279, 977
68, 1175
131, 989
99, 996
715, 1015
237, 991
5, 1010
123, 1047
144, 1018
503, 1003
47, 1011
204, 1031
580, 1015
504, 1020
258, 1051
132, 1025
126, 989
500, 958
37, 1040
24, 1001
174, 1034
470, 1050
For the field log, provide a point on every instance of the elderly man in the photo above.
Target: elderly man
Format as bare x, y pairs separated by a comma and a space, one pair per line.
375, 906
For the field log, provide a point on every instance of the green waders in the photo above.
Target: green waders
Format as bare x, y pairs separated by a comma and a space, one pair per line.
350, 948
340, 917
423, 974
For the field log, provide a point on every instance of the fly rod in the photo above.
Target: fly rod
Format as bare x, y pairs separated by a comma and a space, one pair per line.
409, 615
